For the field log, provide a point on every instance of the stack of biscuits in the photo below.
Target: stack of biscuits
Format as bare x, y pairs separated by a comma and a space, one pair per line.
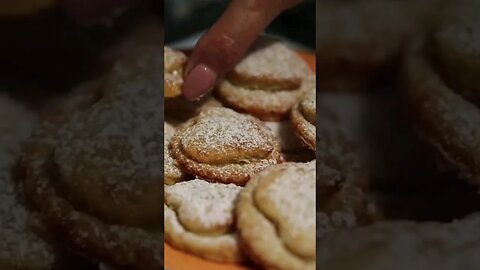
240, 166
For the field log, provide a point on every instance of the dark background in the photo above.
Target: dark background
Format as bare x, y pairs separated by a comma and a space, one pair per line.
186, 17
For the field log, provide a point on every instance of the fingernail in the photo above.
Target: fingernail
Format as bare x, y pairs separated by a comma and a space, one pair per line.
198, 82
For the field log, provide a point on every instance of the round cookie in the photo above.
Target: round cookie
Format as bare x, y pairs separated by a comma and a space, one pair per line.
199, 219
269, 65
304, 120
221, 145
173, 71
171, 173
96, 175
265, 105
267, 82
276, 217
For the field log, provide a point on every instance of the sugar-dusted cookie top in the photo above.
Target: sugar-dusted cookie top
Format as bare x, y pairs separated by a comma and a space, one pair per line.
276, 216
269, 65
221, 145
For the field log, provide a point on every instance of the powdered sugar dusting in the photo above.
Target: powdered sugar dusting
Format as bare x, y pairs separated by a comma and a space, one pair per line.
173, 59
204, 206
171, 171
286, 194
263, 103
221, 131
274, 60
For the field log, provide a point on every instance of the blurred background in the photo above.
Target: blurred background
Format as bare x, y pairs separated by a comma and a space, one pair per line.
48, 48
186, 18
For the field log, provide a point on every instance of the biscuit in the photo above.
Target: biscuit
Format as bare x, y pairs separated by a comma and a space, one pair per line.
269, 66
303, 118
96, 175
221, 145
199, 219
173, 71
276, 217
171, 172
266, 105
400, 245
267, 83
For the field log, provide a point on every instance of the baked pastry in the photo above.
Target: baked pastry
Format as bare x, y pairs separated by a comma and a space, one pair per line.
173, 71
24, 244
269, 66
267, 82
447, 119
221, 145
199, 219
276, 217
401, 245
171, 172
304, 119
94, 175
360, 42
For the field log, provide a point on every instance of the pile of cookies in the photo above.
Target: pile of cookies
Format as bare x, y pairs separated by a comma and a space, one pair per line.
240, 164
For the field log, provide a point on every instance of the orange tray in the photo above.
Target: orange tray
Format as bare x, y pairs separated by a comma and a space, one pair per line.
178, 260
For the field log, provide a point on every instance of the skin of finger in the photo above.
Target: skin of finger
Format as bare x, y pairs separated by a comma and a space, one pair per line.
239, 26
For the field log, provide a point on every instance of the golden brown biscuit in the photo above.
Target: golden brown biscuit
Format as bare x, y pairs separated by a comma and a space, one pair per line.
199, 219
95, 175
220, 145
304, 120
171, 172
269, 66
276, 217
173, 71
266, 105
267, 83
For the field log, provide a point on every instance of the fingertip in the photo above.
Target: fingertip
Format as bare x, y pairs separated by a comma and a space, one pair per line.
199, 81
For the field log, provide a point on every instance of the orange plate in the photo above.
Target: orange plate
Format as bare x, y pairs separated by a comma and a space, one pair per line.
178, 260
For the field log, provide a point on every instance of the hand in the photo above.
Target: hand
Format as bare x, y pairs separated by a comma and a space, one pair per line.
219, 50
